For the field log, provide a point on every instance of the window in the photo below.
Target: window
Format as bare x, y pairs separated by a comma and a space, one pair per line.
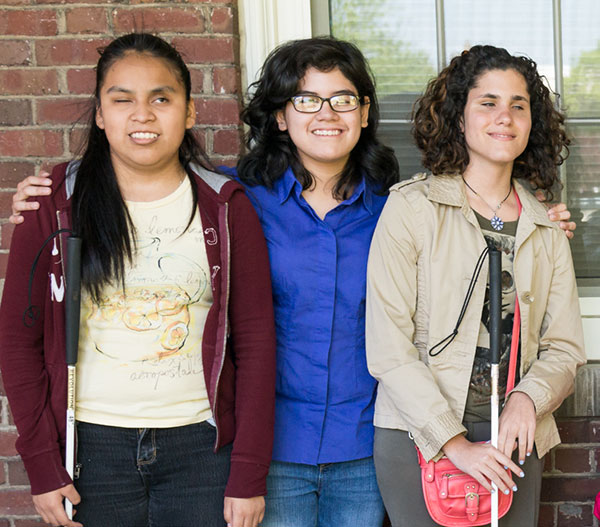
408, 41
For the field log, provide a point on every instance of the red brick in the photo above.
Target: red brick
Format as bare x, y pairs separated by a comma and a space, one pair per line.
23, 143
86, 20
227, 142
575, 515
222, 20
5, 203
546, 516
78, 1
16, 52
7, 440
16, 502
16, 473
206, 50
81, 80
15, 2
61, 110
11, 172
200, 137
28, 82
76, 138
225, 80
229, 162
68, 51
564, 488
6, 231
572, 459
197, 77
30, 523
28, 22
11, 421
175, 19
548, 465
15, 112
576, 430
217, 111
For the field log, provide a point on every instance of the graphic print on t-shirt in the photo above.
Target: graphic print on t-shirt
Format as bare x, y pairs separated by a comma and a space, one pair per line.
144, 342
478, 398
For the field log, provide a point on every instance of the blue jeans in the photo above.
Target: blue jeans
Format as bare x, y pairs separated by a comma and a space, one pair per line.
328, 495
150, 477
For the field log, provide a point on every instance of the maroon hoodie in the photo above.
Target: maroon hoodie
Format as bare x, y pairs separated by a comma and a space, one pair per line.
238, 345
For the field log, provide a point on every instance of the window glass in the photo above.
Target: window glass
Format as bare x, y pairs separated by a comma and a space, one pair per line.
399, 38
581, 57
581, 74
523, 28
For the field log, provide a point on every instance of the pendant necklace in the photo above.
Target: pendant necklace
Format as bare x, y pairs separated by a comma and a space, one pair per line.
497, 223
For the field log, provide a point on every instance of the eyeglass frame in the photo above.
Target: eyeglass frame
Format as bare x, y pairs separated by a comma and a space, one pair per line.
328, 101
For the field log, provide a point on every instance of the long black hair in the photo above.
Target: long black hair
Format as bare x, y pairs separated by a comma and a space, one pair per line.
100, 215
271, 151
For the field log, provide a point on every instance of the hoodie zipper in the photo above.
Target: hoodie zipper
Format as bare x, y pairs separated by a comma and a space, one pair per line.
226, 328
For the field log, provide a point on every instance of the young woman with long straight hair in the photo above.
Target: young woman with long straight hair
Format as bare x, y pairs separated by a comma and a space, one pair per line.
176, 371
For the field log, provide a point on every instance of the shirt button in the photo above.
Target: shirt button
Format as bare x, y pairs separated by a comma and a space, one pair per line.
527, 297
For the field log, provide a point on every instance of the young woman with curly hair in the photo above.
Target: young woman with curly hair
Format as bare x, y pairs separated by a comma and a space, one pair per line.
484, 124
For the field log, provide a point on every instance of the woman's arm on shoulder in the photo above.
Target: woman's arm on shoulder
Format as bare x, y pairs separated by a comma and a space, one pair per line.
31, 186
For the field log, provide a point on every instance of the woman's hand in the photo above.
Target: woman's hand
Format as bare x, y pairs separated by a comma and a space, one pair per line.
483, 462
517, 426
559, 213
244, 512
50, 506
29, 187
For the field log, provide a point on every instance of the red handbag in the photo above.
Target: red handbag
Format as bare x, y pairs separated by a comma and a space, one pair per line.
455, 499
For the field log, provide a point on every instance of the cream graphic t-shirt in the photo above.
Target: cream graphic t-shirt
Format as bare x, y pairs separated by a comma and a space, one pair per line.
140, 358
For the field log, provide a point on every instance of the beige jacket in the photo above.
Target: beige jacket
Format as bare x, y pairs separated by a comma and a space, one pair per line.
423, 254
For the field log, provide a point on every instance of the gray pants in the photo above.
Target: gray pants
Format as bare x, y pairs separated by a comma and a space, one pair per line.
399, 479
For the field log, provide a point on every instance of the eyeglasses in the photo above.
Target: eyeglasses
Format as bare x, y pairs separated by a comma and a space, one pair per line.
345, 102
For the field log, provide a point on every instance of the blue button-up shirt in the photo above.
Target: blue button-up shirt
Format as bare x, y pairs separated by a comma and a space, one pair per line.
325, 395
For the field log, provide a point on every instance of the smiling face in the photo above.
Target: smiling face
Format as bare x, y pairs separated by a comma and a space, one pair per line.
144, 113
497, 119
324, 139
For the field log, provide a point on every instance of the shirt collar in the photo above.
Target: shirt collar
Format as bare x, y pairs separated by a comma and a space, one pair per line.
285, 184
288, 182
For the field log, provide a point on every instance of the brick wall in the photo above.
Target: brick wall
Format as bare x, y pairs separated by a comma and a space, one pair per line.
572, 475
47, 54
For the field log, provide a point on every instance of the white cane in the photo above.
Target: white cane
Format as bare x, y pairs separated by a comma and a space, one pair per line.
495, 325
72, 305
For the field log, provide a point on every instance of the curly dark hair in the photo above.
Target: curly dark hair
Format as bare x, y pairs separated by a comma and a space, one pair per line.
438, 114
271, 151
